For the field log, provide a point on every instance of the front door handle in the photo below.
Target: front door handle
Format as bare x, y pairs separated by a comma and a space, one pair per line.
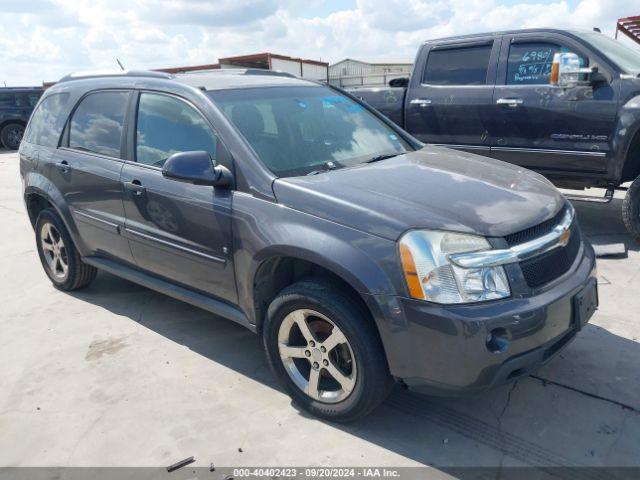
510, 102
421, 102
135, 187
63, 166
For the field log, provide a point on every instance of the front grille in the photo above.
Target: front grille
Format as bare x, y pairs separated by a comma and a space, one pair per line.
537, 231
547, 267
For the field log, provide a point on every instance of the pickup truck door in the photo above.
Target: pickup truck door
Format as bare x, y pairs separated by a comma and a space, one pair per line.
543, 127
450, 91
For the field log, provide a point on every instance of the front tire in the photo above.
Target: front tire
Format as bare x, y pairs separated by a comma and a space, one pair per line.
631, 210
11, 135
59, 256
325, 351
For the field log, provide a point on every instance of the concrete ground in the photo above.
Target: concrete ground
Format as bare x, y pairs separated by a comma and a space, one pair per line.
119, 375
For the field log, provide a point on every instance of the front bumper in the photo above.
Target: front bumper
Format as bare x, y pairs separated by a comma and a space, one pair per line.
443, 349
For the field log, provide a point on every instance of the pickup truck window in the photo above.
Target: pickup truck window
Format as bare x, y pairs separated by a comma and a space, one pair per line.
19, 99
530, 62
458, 66
167, 125
297, 130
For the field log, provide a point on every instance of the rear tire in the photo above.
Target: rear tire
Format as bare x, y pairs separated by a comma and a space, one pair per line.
337, 369
631, 210
11, 135
59, 256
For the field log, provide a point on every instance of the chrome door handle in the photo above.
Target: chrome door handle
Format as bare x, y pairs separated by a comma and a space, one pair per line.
422, 102
510, 102
63, 166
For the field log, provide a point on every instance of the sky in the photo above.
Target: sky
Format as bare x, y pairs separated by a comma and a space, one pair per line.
43, 40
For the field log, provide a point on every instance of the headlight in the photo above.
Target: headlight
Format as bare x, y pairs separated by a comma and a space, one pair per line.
431, 276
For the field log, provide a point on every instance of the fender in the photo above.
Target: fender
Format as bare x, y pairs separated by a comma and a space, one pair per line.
37, 183
366, 262
627, 127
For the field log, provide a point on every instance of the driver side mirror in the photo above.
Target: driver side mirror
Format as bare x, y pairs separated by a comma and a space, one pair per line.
566, 71
196, 167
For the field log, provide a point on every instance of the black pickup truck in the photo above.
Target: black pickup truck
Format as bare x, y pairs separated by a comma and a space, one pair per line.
563, 103
16, 105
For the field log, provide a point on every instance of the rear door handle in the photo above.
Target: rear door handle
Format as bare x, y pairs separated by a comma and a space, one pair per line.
135, 187
63, 166
421, 102
510, 102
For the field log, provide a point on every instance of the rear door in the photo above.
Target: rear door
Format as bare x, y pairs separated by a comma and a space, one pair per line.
543, 127
178, 231
86, 171
450, 90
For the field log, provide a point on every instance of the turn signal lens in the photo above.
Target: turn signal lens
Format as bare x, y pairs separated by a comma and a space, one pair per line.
410, 273
555, 70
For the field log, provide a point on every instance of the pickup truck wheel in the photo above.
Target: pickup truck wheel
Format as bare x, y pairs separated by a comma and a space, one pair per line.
60, 259
326, 352
631, 210
11, 135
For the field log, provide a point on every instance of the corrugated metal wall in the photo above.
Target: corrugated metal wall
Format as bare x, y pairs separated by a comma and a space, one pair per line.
314, 72
351, 73
306, 70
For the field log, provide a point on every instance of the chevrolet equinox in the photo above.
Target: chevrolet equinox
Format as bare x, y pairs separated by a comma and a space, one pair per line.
359, 254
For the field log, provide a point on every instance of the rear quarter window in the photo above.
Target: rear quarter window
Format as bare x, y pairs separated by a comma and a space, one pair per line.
48, 121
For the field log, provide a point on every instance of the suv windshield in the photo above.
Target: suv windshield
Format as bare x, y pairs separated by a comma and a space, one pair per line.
627, 58
298, 130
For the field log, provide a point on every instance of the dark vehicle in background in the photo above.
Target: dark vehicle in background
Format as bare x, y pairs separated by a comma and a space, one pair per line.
357, 253
16, 105
491, 94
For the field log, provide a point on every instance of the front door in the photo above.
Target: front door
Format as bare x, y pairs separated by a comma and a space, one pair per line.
543, 127
451, 88
178, 231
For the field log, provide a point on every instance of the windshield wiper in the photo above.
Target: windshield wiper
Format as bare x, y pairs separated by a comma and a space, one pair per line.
326, 166
384, 156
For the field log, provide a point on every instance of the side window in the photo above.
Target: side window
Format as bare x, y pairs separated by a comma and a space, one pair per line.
530, 62
7, 100
458, 66
167, 125
97, 123
47, 121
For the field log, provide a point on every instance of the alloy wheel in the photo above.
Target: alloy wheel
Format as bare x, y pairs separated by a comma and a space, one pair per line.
14, 137
317, 356
54, 251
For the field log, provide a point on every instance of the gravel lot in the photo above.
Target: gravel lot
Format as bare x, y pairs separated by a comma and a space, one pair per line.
119, 375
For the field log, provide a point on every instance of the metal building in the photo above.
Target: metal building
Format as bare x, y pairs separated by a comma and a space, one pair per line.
629, 26
301, 67
351, 73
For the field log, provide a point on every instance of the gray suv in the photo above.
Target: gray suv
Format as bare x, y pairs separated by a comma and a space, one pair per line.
360, 255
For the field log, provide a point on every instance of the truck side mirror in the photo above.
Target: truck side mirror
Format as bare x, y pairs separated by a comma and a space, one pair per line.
566, 70
597, 79
399, 82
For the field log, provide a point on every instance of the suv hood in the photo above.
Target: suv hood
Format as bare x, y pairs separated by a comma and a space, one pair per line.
436, 188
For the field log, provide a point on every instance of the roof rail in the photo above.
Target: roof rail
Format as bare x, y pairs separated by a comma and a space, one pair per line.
242, 71
113, 73
21, 88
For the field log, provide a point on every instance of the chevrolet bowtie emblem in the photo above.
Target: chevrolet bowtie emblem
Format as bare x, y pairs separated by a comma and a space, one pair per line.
564, 237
